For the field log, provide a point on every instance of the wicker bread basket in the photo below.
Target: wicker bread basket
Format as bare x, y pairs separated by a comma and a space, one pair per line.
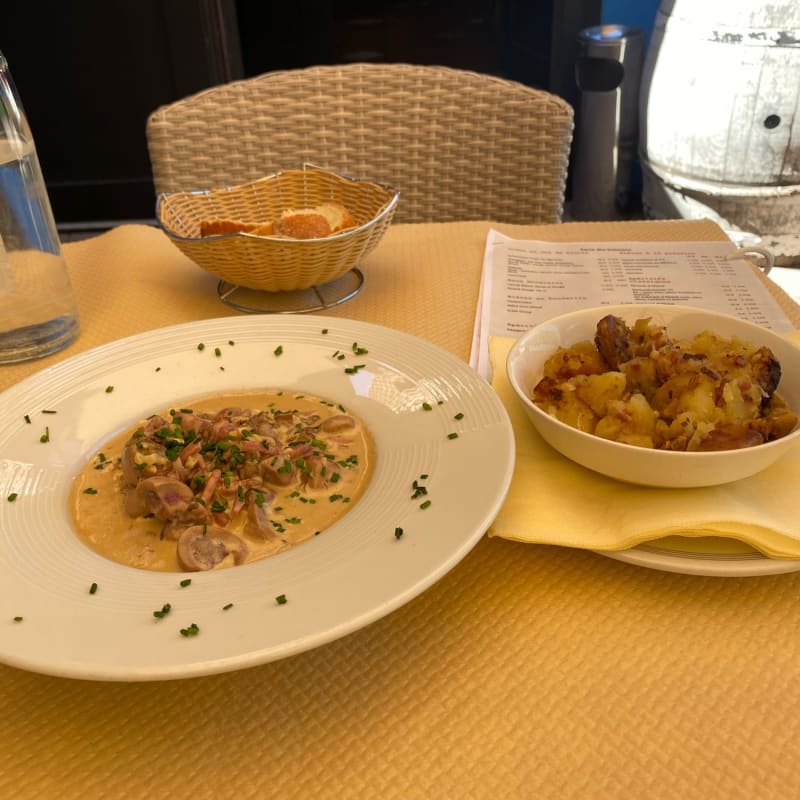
273, 263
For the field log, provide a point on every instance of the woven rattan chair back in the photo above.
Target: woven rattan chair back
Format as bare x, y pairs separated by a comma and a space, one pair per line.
458, 145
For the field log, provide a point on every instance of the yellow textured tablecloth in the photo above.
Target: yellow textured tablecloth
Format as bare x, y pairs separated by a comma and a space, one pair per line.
527, 672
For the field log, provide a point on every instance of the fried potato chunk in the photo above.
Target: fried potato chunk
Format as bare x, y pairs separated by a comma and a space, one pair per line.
632, 421
582, 358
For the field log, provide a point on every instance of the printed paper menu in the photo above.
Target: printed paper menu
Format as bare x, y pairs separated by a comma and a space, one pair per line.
527, 282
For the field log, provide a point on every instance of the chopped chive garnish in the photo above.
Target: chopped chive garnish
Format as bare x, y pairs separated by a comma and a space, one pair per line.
281, 599
186, 582
12, 497
227, 606
231, 342
45, 437
419, 491
109, 389
27, 419
324, 330
49, 411
165, 609
192, 630
93, 589
18, 619
158, 369
427, 407
201, 346
425, 505
217, 352
452, 436
460, 415
278, 350
90, 490
398, 532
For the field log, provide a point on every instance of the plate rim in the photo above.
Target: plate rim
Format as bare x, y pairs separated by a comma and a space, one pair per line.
702, 564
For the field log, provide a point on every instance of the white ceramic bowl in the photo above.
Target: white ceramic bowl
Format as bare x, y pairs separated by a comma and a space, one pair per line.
639, 464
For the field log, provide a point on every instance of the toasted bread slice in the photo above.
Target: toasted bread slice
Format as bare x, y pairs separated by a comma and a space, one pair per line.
219, 226
264, 229
339, 218
302, 223
294, 223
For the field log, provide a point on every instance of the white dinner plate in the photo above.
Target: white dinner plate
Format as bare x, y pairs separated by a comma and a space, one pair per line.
709, 556
408, 393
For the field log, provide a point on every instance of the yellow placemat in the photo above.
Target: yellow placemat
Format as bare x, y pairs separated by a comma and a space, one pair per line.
553, 500
528, 671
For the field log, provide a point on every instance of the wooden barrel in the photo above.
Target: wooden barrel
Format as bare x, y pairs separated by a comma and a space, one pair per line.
719, 127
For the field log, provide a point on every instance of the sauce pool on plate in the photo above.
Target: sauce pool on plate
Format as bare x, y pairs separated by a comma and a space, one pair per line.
222, 481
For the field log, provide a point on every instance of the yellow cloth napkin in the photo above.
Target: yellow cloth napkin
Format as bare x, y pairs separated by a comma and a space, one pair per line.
552, 500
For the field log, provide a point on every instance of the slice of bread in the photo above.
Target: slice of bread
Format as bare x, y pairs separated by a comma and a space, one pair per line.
218, 226
264, 229
302, 223
339, 218
294, 223
314, 223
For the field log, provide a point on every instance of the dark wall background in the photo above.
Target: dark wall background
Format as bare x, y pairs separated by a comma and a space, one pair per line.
90, 72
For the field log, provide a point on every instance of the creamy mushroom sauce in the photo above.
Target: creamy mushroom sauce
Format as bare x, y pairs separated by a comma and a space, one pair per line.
215, 483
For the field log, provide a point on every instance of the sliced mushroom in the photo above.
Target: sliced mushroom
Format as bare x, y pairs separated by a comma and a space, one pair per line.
229, 412
128, 461
258, 525
337, 423
301, 450
194, 423
221, 429
317, 473
154, 424
195, 514
165, 498
279, 471
204, 547
261, 423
